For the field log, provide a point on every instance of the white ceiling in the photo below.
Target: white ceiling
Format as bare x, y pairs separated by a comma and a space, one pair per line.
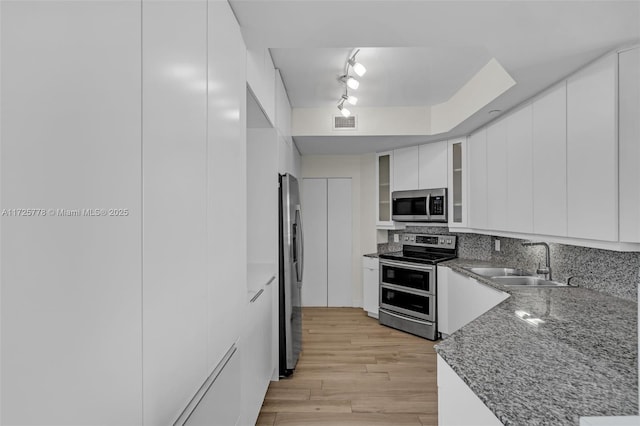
420, 52
396, 76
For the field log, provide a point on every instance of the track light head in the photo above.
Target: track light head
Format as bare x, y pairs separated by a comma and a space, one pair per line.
344, 111
351, 82
358, 68
350, 99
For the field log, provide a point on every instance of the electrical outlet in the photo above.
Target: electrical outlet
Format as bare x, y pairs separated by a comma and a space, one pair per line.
497, 244
396, 238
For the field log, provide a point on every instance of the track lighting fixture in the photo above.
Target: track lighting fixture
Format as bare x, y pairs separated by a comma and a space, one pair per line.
350, 83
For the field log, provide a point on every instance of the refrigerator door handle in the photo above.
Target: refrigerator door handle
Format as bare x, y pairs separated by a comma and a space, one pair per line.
300, 245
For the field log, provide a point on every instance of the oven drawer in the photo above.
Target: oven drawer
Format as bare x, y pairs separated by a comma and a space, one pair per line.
426, 329
413, 303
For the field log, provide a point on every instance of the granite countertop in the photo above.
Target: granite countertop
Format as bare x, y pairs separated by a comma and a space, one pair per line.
581, 361
374, 255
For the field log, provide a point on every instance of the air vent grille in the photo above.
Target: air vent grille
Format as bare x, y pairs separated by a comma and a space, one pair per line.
344, 123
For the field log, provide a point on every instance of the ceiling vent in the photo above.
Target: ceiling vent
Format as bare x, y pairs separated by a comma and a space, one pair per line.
344, 123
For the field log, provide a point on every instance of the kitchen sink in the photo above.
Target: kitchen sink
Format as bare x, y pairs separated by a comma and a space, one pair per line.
498, 272
522, 281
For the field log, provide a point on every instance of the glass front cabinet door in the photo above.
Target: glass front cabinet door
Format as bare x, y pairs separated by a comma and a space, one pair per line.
457, 182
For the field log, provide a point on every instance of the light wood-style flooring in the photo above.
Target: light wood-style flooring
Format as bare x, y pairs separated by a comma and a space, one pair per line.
353, 371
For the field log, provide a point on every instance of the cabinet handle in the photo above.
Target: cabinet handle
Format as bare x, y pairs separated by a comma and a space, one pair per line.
254, 298
193, 404
271, 280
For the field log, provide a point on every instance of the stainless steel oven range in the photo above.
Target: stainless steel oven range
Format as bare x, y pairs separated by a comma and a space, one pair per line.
408, 283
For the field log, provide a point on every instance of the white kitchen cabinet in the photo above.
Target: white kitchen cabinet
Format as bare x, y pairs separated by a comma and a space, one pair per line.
327, 222
406, 169
384, 180
175, 178
71, 304
629, 144
255, 347
283, 108
497, 175
592, 154
457, 182
370, 285
462, 299
550, 162
519, 171
261, 77
477, 163
432, 161
227, 181
454, 393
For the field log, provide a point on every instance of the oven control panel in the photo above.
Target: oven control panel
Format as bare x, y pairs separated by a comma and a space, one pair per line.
434, 241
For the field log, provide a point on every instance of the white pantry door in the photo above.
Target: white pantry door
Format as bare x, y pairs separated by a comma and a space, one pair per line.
327, 221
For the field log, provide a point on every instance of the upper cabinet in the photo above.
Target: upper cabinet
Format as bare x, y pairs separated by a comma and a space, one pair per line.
566, 163
384, 175
592, 155
457, 182
283, 107
406, 169
550, 162
432, 167
520, 171
261, 77
477, 163
629, 144
497, 176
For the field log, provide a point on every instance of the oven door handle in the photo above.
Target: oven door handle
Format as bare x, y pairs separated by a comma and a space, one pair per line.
407, 265
402, 317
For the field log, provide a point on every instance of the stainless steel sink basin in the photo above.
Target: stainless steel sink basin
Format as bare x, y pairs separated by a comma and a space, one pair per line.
521, 281
498, 272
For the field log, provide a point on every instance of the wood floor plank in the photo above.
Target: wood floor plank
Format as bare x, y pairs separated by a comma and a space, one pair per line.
283, 394
266, 419
353, 371
346, 419
306, 407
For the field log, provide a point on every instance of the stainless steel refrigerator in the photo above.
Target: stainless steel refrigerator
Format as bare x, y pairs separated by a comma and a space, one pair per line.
291, 267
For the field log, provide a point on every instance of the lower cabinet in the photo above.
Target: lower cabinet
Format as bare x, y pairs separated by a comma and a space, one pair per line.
457, 404
255, 352
462, 299
370, 284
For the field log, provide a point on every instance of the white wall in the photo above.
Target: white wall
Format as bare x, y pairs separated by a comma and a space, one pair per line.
362, 173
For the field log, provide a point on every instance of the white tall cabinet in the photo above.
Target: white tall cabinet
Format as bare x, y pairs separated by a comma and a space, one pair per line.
174, 259
71, 305
327, 224
119, 319
592, 152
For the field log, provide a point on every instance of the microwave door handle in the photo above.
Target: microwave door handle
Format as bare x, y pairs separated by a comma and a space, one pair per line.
428, 209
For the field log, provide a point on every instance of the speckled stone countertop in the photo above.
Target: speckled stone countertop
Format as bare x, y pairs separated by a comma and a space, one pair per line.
581, 361
374, 255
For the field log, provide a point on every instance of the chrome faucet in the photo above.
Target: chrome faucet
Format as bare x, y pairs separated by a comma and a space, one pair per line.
547, 269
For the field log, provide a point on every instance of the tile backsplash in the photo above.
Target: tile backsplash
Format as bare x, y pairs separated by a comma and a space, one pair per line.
612, 272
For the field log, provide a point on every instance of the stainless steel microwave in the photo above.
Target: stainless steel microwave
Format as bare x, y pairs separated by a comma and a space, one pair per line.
422, 205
